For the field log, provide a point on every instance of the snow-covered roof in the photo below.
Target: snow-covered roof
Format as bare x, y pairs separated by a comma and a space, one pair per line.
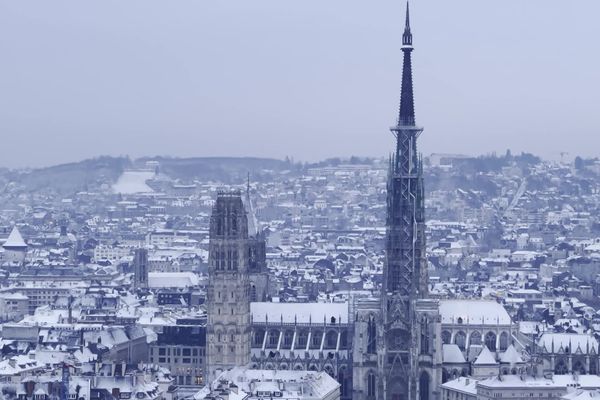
473, 312
462, 384
14, 240
301, 313
485, 357
172, 279
451, 354
568, 342
582, 394
511, 356
284, 384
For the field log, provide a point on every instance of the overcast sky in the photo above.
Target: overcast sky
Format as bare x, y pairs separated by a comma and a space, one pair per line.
304, 78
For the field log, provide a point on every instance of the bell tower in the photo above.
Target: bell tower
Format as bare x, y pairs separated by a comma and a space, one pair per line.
228, 304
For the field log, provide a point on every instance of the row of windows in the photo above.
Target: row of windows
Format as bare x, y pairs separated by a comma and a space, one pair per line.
490, 339
220, 349
176, 360
226, 260
177, 351
331, 339
189, 380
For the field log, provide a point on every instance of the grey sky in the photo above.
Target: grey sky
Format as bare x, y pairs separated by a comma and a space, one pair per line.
309, 78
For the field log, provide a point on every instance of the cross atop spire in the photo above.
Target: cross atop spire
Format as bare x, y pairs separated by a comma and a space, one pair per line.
407, 36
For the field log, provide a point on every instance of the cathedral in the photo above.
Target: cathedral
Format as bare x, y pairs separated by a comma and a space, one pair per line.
387, 346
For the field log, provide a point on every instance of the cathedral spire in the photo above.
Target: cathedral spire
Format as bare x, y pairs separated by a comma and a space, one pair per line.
407, 36
407, 107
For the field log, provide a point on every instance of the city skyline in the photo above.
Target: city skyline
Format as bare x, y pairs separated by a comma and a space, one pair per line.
83, 81
352, 278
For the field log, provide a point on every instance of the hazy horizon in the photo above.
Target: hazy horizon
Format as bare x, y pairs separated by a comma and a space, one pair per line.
309, 80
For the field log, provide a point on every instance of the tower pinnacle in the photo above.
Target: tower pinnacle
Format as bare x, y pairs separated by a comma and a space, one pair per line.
406, 117
407, 36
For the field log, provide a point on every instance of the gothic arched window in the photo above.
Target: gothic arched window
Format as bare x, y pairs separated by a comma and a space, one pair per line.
475, 338
343, 381
561, 368
287, 339
424, 336
503, 341
316, 340
371, 386
259, 336
490, 341
273, 338
302, 339
371, 336
446, 337
460, 339
331, 340
424, 386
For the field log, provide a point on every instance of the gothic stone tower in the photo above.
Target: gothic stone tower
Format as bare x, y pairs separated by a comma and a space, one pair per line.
228, 305
140, 269
405, 274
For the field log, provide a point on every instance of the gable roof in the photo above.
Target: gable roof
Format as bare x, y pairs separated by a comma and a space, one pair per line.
473, 312
485, 357
452, 354
15, 240
511, 356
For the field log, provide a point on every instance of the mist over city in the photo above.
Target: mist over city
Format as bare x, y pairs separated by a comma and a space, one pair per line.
338, 200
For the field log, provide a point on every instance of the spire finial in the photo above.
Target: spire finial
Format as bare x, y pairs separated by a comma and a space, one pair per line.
407, 36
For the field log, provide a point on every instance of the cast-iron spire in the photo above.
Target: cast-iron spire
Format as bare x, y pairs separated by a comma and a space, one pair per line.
407, 36
407, 106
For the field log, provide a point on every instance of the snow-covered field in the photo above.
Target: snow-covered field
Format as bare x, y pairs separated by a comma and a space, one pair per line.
133, 182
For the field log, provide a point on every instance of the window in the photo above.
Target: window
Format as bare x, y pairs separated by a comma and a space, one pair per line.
460, 339
490, 341
475, 338
302, 339
316, 339
371, 336
424, 336
371, 385
446, 337
273, 338
503, 341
